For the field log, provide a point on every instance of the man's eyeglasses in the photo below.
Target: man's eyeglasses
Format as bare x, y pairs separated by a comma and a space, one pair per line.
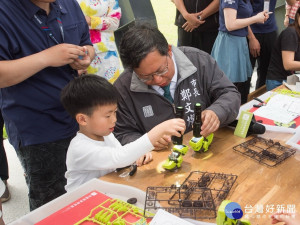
145, 78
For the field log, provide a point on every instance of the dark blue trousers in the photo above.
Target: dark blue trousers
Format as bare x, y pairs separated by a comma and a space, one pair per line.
3, 159
44, 166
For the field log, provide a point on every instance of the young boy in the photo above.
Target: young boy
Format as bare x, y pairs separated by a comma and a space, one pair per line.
94, 151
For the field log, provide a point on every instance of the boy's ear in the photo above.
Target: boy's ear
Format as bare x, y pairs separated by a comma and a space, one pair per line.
81, 119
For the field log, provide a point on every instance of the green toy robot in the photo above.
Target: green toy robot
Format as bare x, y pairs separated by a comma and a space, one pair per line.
175, 158
198, 142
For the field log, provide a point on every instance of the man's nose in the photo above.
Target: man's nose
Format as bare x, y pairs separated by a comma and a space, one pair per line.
157, 79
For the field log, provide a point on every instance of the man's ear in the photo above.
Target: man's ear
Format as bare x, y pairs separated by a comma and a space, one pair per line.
170, 50
81, 119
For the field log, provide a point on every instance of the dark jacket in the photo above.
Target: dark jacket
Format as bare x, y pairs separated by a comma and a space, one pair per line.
140, 107
194, 6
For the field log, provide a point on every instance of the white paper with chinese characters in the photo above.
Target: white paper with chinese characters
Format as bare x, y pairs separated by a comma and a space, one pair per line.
280, 108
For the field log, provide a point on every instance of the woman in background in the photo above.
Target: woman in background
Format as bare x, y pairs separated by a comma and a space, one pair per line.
285, 56
103, 18
231, 49
290, 12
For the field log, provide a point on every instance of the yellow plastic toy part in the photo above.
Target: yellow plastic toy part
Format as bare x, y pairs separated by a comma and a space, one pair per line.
181, 149
174, 161
201, 143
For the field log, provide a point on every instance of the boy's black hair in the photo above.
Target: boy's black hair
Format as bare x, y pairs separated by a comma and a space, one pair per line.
138, 41
86, 92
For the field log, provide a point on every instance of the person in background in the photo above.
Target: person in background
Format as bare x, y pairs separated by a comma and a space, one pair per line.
159, 77
291, 2
262, 42
42, 47
103, 18
2, 190
290, 11
285, 57
95, 151
4, 175
197, 23
231, 49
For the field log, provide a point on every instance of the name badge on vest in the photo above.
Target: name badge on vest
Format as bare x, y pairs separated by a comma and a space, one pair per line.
148, 111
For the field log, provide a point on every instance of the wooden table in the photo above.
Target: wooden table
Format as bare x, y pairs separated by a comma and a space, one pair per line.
256, 184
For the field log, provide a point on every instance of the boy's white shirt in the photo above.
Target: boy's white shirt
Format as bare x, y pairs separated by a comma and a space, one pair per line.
88, 158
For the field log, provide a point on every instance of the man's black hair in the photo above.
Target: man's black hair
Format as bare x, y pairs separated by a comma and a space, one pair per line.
86, 92
138, 41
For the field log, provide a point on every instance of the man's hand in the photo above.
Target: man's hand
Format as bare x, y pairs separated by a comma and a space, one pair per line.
254, 47
192, 21
88, 20
163, 143
286, 21
210, 122
62, 54
83, 63
82, 72
144, 159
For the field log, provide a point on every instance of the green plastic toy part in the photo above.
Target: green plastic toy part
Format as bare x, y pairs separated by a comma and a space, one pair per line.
222, 219
112, 211
182, 149
291, 124
122, 209
201, 143
106, 220
174, 161
117, 206
99, 214
119, 222
103, 216
113, 205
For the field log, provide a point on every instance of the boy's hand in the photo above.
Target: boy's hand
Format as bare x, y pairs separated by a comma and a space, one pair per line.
144, 159
62, 54
210, 122
173, 127
162, 143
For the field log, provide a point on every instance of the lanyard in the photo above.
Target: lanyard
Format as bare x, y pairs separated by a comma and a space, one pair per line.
45, 28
